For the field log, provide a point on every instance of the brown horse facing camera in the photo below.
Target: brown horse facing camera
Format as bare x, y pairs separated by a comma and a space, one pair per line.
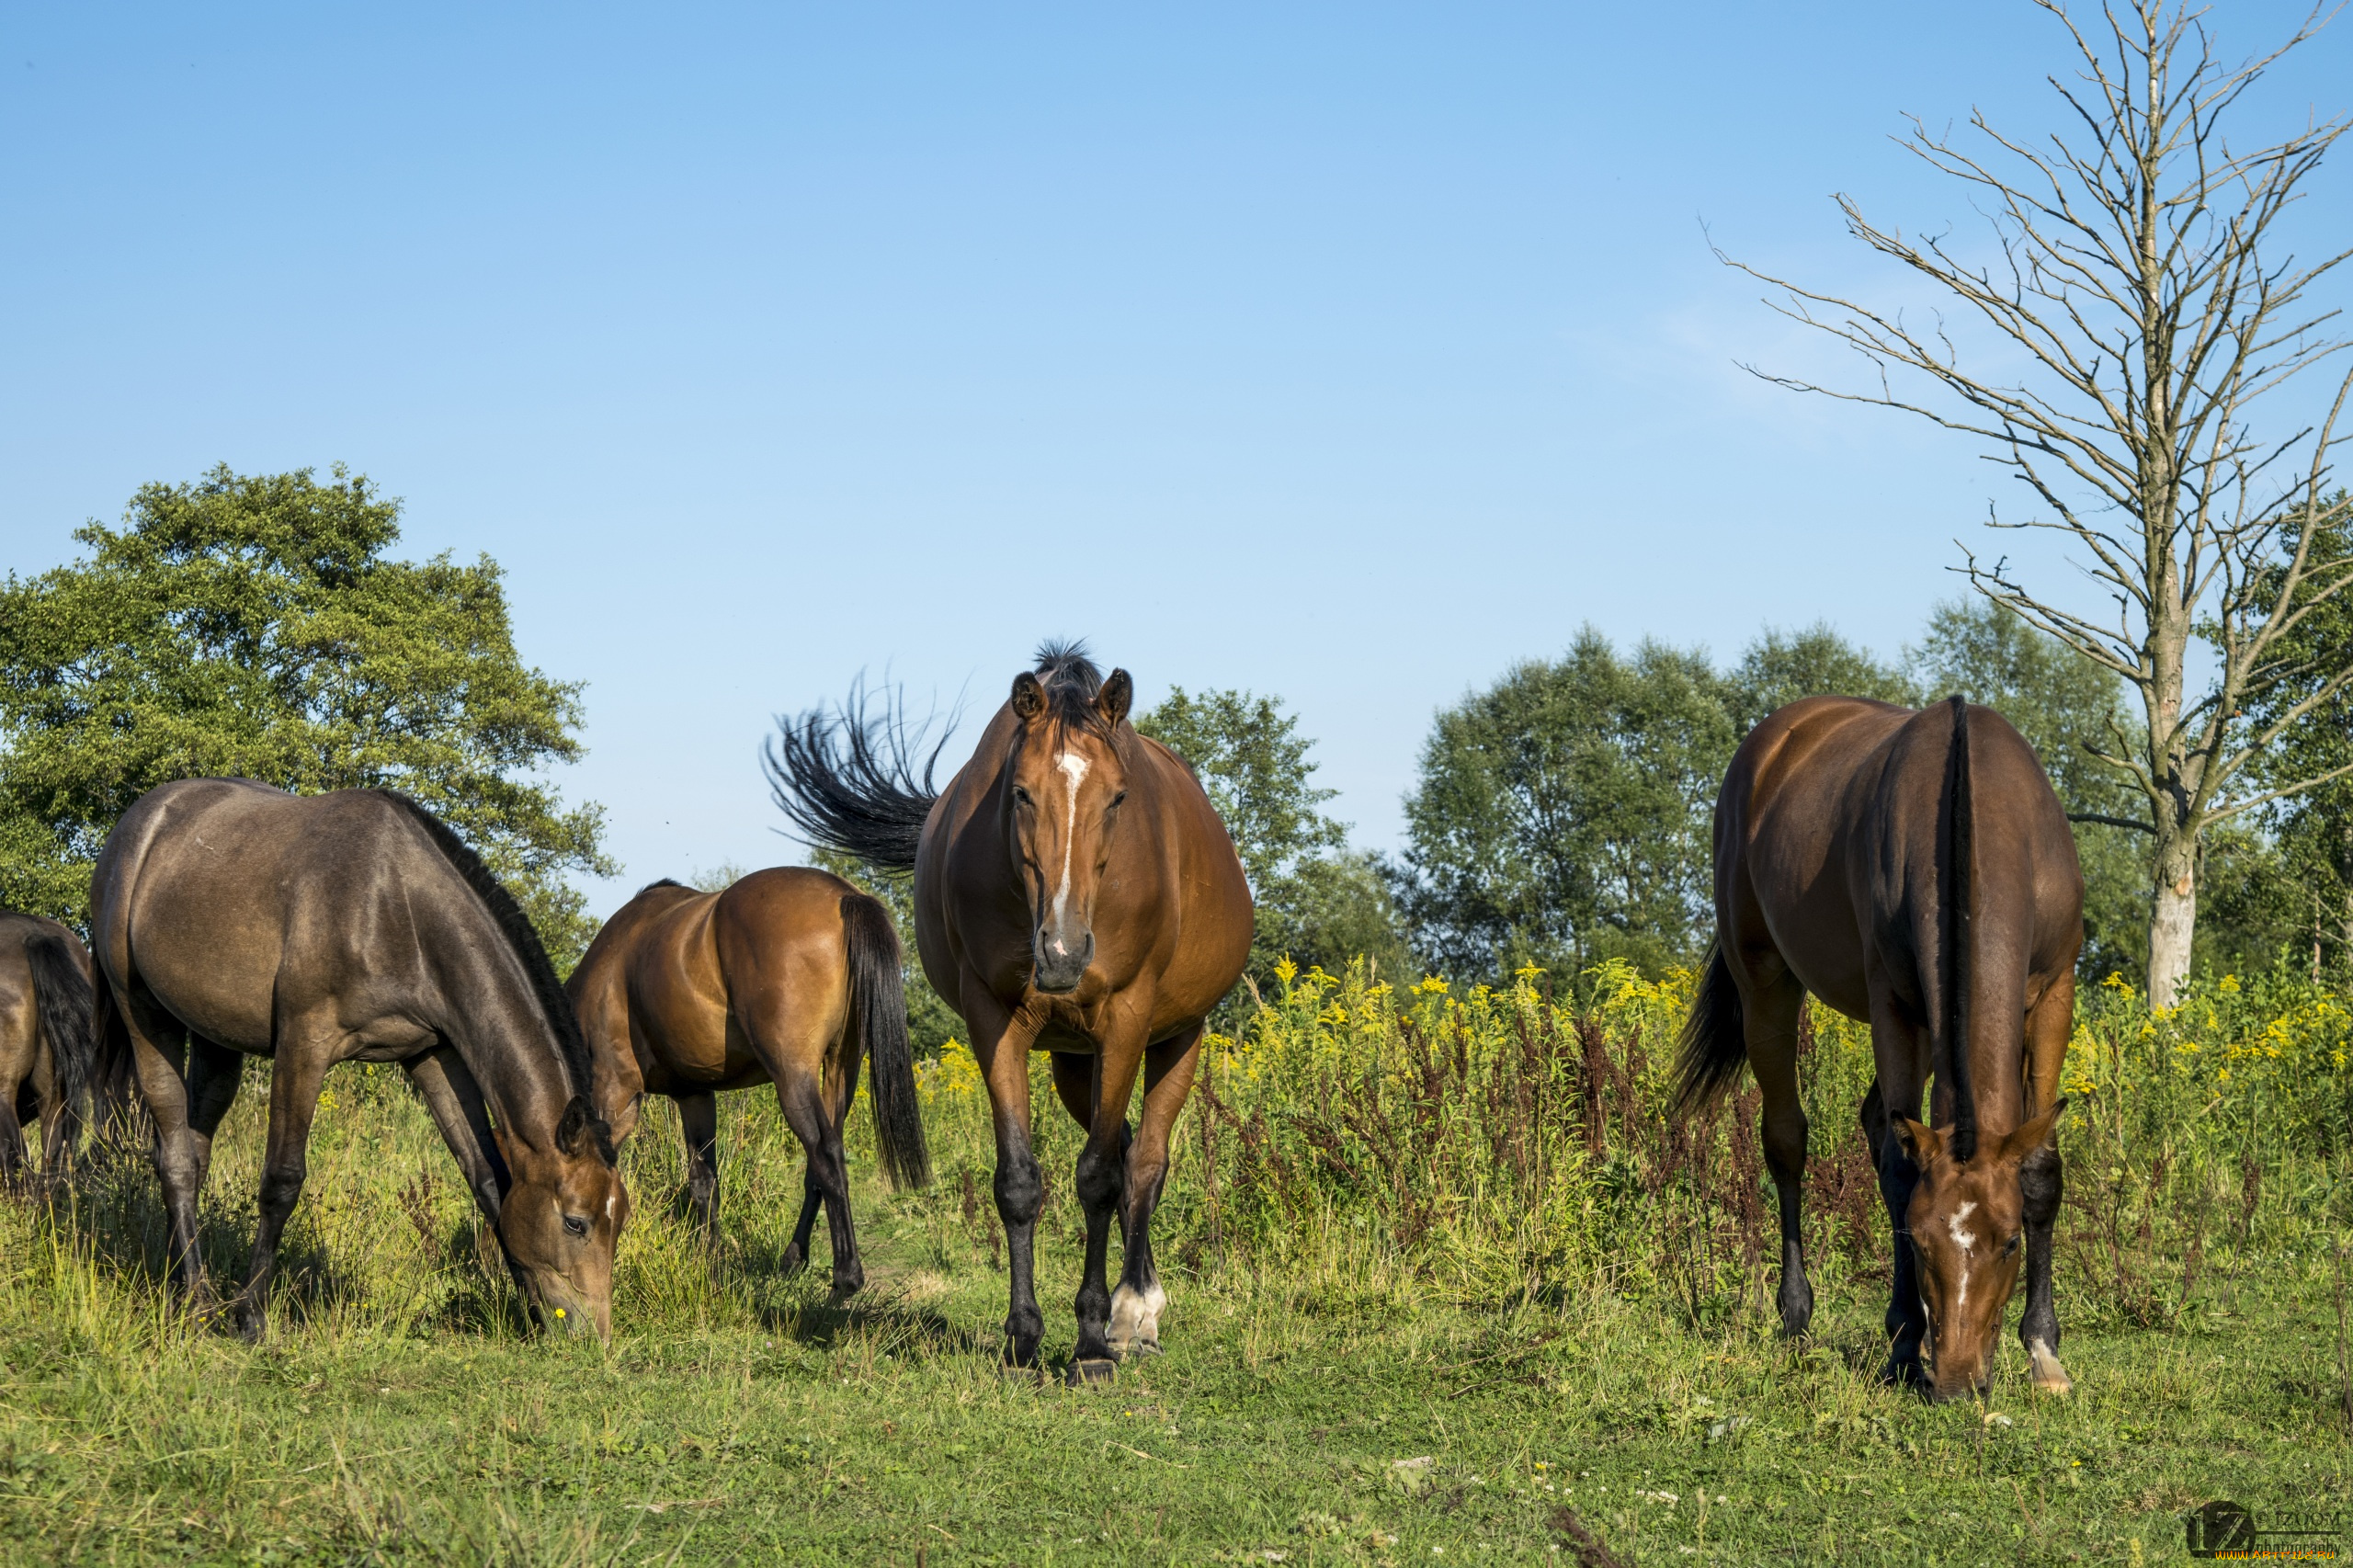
45, 1054
1914, 871
232, 920
1075, 892
789, 977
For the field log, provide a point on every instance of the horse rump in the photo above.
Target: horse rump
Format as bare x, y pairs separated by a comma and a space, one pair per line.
1714, 1044
879, 1022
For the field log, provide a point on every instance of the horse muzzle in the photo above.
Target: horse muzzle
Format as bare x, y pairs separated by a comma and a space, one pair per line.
1058, 968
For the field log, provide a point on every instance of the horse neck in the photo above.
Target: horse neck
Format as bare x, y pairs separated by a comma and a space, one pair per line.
491, 1016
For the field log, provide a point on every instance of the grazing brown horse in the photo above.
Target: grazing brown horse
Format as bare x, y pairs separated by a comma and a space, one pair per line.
1914, 871
1075, 892
789, 977
234, 920
45, 1052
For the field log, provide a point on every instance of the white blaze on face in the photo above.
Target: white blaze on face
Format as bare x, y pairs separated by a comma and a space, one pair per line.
1967, 1242
1074, 767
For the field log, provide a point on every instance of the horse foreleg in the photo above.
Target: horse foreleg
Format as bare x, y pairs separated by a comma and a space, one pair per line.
295, 1079
454, 1100
1137, 1305
1907, 1319
1101, 1178
12, 1134
1001, 1044
2042, 1182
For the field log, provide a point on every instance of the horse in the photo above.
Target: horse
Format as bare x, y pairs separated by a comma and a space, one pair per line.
790, 977
1074, 892
45, 1051
1915, 871
232, 919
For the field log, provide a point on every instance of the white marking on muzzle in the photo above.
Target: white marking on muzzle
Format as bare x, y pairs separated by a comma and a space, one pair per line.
1074, 766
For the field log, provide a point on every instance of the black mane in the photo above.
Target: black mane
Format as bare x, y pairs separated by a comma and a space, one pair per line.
521, 936
1071, 682
660, 883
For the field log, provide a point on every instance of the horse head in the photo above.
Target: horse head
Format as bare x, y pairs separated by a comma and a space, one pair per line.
561, 1219
1066, 781
1968, 1223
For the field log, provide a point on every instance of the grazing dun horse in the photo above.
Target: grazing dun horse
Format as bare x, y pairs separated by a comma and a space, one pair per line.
234, 920
789, 977
45, 1052
1914, 871
1075, 892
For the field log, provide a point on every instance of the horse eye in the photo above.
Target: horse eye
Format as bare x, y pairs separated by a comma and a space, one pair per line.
574, 1225
1021, 795
2009, 1248
1117, 799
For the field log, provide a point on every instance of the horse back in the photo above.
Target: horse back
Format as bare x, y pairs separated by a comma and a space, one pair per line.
227, 903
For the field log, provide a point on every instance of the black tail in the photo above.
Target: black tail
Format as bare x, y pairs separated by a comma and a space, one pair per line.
116, 1110
878, 1004
1715, 1042
1953, 876
61, 995
847, 781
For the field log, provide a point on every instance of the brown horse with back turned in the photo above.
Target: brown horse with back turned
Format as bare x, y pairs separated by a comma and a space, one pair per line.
1914, 871
789, 977
1075, 892
45, 1052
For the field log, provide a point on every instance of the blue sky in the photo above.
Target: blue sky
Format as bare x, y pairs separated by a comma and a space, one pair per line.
1346, 353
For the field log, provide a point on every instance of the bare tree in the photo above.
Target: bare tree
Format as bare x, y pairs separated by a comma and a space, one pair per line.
2136, 279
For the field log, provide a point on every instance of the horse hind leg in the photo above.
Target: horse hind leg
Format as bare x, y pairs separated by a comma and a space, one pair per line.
698, 1129
1770, 1024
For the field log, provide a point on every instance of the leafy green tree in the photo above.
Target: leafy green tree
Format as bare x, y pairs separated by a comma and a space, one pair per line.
1316, 903
1561, 815
252, 627
1781, 667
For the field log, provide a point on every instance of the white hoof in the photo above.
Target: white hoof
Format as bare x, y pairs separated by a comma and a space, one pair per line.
2049, 1375
1135, 1319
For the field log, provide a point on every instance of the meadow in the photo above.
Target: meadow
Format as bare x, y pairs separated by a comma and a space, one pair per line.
1447, 1282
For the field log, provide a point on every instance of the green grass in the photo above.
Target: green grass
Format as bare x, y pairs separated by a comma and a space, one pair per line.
396, 1414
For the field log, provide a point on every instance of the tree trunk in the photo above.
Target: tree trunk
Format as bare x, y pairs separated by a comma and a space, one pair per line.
2173, 916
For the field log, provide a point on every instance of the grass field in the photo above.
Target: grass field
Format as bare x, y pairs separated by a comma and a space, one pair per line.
1328, 1395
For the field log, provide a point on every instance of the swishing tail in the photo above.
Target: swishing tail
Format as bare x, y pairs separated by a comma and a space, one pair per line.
1715, 1046
847, 780
61, 995
877, 1005
1954, 936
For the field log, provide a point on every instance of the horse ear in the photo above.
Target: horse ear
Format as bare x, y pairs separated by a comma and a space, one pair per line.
1029, 697
1113, 701
2034, 1134
573, 1124
1921, 1144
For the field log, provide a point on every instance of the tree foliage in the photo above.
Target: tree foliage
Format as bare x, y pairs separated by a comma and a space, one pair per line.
1316, 903
1561, 814
253, 626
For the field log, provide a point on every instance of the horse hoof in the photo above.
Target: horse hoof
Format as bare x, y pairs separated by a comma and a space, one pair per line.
794, 1261
1140, 1348
2049, 1375
1094, 1372
843, 1290
1903, 1374
1021, 1377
